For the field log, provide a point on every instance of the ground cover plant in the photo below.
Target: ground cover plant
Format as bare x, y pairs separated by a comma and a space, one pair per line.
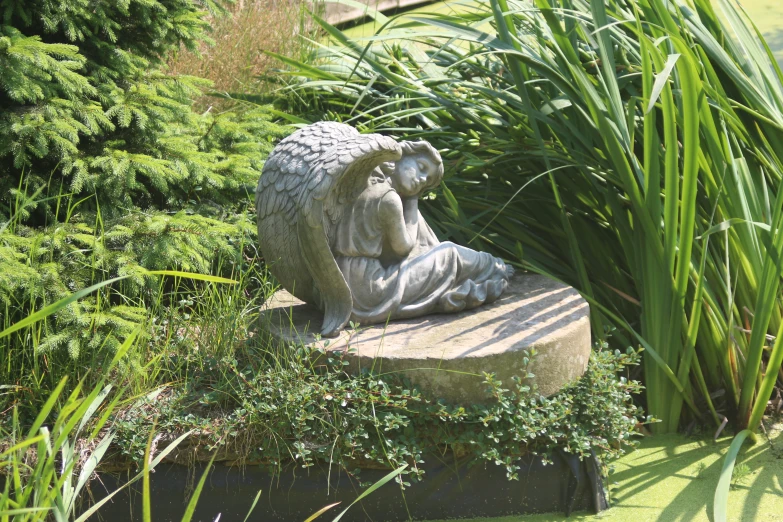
297, 407
630, 148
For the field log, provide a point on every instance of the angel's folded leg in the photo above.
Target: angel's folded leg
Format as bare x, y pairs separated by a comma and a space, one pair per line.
449, 278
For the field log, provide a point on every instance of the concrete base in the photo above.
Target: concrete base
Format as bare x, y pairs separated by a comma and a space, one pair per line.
452, 488
444, 356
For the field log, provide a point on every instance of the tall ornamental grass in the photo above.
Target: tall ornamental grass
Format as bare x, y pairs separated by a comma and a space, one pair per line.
629, 147
234, 60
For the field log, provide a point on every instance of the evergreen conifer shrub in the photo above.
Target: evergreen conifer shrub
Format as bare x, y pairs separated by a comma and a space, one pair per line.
106, 170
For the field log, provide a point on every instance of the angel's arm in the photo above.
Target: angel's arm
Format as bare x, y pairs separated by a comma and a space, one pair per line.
400, 222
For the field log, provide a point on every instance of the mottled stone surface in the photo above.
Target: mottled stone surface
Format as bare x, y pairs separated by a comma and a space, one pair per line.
444, 355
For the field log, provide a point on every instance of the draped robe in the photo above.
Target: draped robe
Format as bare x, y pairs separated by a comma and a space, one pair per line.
435, 277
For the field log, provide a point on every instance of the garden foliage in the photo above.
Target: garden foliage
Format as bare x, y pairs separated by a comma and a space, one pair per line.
107, 173
633, 148
105, 170
304, 410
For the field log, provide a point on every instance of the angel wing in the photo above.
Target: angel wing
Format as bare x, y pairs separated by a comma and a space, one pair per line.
307, 181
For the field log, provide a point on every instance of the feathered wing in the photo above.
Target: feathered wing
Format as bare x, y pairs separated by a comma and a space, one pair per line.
306, 183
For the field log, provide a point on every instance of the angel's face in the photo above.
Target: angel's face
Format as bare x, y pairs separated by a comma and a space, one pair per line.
413, 174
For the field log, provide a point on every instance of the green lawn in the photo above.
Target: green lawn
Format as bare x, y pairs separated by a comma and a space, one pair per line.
766, 14
768, 17
673, 478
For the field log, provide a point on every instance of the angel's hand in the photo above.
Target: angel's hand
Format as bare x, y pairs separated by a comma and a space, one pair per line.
399, 223
410, 210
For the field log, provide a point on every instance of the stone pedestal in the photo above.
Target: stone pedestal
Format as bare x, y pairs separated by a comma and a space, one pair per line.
444, 355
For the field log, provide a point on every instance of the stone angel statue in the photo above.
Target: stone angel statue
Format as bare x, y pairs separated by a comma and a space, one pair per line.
339, 225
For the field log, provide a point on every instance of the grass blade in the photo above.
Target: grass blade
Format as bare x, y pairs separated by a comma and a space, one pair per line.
146, 497
721, 501
197, 493
252, 506
372, 488
661, 79
163, 454
62, 303
57, 306
321, 512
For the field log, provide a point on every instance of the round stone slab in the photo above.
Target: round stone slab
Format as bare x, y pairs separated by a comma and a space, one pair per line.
444, 355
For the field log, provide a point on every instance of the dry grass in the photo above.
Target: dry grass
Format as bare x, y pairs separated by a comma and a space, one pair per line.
236, 60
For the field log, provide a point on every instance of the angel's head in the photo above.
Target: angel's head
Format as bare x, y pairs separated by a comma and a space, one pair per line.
420, 168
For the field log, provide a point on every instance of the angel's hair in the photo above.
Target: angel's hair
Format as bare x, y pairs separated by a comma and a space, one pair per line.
410, 148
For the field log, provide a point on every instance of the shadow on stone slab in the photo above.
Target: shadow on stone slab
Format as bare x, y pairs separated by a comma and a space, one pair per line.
445, 355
